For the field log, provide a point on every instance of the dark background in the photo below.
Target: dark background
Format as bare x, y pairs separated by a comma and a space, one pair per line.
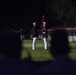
22, 13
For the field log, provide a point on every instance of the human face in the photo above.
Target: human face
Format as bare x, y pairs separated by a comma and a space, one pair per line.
34, 24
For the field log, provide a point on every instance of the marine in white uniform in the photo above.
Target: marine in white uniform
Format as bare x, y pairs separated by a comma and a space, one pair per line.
35, 35
44, 33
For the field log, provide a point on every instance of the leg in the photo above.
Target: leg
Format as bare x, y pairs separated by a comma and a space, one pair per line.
45, 43
70, 38
34, 43
74, 38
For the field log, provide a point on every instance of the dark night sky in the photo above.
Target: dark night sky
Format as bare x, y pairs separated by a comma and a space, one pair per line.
22, 12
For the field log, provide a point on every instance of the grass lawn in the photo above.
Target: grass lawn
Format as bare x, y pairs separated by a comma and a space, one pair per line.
40, 54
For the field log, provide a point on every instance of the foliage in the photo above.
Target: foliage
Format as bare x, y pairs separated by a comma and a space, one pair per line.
61, 9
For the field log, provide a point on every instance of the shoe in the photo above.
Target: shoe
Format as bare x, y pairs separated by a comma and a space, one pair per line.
45, 49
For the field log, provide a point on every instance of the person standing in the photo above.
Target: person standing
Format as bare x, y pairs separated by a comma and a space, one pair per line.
44, 33
35, 35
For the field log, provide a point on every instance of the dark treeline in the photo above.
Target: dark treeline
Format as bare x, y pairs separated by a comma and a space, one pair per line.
21, 14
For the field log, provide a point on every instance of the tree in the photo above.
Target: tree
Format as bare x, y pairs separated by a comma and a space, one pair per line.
62, 10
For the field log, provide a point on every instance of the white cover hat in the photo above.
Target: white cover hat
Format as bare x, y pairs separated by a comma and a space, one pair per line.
44, 23
34, 23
